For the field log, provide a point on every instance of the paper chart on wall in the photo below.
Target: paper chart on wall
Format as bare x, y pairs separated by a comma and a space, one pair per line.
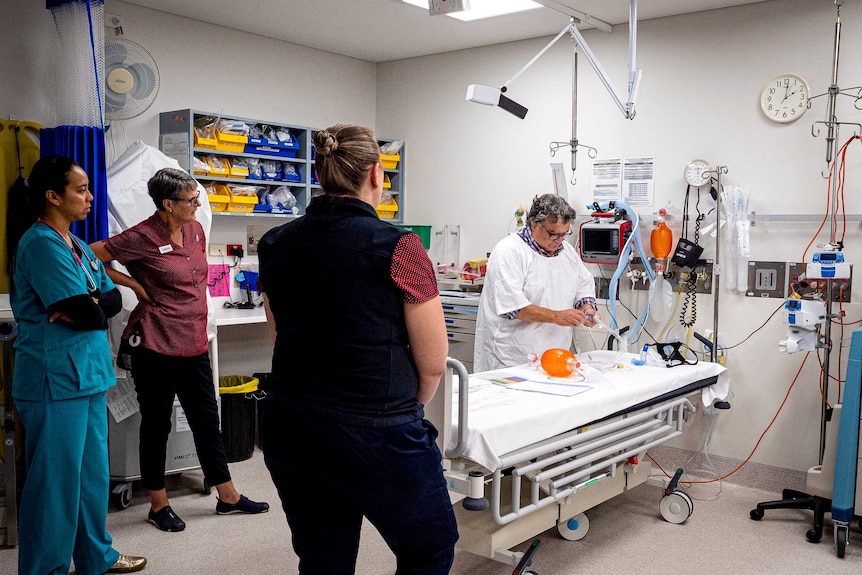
218, 281
638, 181
607, 180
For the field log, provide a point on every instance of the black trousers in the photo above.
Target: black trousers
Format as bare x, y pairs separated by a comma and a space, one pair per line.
158, 378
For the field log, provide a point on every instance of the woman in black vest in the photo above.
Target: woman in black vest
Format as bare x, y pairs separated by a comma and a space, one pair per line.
360, 346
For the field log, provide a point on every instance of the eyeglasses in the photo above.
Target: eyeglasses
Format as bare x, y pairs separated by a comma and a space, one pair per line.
192, 201
556, 235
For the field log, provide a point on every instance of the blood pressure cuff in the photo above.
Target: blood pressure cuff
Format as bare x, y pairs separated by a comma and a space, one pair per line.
84, 311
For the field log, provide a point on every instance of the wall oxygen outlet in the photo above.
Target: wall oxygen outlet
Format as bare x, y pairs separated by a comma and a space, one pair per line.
234, 250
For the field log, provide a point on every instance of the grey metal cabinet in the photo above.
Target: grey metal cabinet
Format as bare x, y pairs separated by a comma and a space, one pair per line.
459, 311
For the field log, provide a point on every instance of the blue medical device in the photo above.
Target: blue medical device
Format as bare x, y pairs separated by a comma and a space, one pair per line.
847, 452
827, 265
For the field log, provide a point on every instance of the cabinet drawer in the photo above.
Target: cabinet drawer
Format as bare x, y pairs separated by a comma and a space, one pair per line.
461, 345
460, 311
455, 336
460, 324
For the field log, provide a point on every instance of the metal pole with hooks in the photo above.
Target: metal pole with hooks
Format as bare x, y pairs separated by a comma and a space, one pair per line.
716, 268
832, 131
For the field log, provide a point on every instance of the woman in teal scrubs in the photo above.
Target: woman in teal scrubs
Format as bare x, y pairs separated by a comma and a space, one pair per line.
61, 298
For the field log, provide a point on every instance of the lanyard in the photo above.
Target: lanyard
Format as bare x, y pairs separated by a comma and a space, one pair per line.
91, 283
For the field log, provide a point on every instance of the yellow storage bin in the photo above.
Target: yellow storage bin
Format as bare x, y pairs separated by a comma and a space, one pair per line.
218, 166
201, 166
387, 183
235, 170
202, 140
242, 202
390, 161
220, 199
387, 211
230, 142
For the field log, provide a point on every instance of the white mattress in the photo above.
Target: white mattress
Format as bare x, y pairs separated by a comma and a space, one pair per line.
502, 419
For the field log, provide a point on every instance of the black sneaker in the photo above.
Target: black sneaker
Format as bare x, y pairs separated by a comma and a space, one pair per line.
244, 505
166, 520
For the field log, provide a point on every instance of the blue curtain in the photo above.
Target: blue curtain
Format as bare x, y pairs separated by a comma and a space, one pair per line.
79, 23
85, 145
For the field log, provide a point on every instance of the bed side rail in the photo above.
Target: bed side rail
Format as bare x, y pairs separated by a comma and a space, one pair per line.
439, 410
573, 461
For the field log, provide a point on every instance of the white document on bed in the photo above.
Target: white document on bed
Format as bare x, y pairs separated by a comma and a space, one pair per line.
540, 383
503, 419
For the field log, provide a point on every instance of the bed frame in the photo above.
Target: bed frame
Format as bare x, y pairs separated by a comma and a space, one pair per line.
553, 482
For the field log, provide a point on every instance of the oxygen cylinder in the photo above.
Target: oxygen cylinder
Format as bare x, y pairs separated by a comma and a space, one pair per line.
661, 240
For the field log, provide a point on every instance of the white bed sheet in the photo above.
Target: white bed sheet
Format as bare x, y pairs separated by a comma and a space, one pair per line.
502, 419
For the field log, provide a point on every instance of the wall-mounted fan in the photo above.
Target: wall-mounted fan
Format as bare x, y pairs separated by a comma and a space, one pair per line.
131, 79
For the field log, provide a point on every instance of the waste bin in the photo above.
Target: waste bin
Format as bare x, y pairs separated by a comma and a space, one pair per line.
237, 415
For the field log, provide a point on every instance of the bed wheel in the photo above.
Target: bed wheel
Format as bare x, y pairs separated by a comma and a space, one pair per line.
574, 529
676, 507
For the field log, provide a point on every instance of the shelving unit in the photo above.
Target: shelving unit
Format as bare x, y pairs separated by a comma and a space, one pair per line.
177, 139
393, 170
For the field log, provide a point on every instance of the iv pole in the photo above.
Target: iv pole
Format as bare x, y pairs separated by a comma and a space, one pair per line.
833, 128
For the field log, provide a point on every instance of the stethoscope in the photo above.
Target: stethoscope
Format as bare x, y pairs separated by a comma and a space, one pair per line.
94, 265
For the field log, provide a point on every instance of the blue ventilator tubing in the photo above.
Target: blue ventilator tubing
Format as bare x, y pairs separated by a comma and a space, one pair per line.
844, 484
623, 263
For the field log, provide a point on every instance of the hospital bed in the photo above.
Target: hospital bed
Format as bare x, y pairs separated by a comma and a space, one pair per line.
527, 452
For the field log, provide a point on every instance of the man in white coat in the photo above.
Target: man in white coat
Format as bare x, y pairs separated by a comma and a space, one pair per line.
536, 290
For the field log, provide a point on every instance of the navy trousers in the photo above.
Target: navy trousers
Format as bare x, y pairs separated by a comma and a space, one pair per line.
330, 475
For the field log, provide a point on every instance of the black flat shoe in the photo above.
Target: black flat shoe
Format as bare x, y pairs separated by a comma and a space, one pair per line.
244, 505
166, 520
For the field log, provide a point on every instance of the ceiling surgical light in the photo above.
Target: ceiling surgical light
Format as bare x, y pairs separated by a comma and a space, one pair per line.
489, 96
494, 97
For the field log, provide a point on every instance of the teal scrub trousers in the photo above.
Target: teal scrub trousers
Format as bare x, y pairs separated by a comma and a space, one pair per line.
64, 505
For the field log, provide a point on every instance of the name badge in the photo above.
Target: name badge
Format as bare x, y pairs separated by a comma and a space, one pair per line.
166, 249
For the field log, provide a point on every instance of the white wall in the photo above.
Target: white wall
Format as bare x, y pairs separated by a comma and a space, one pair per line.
207, 68
702, 76
473, 165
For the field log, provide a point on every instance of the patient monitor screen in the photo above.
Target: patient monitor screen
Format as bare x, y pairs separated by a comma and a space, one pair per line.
600, 243
597, 241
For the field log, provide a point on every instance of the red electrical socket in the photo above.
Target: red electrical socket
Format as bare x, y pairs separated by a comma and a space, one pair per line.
234, 250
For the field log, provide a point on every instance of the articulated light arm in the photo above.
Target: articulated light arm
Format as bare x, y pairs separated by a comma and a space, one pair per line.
494, 96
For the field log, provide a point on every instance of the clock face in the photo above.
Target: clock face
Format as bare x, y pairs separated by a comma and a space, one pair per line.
697, 173
785, 98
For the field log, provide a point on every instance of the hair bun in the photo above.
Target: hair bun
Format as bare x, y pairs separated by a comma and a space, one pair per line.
325, 143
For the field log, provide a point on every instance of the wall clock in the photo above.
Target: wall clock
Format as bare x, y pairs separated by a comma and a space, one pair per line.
785, 98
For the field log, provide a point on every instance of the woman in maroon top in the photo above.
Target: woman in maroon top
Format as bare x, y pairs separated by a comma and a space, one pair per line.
166, 258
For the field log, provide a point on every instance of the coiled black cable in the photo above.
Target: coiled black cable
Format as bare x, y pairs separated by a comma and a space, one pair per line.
691, 295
